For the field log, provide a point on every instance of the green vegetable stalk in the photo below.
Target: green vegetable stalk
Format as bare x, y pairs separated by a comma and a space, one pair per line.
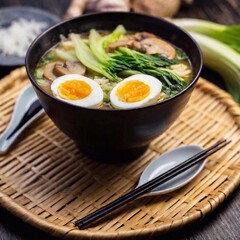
230, 35
126, 61
86, 57
65, 56
98, 43
220, 45
226, 62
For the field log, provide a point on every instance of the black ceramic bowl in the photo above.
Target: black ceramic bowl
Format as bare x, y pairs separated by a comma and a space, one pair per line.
114, 135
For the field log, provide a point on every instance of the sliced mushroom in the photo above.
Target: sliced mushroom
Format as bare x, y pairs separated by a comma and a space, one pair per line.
69, 67
147, 43
48, 71
181, 70
133, 42
156, 45
123, 43
139, 36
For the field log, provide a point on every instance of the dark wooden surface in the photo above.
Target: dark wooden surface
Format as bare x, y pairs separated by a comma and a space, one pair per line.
223, 222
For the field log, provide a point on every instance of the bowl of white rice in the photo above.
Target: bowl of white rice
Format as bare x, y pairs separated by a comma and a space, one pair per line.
19, 26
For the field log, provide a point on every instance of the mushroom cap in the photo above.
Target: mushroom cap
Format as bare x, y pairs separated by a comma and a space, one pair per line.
69, 68
48, 71
157, 45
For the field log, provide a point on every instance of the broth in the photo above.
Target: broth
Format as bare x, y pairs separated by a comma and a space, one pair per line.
108, 60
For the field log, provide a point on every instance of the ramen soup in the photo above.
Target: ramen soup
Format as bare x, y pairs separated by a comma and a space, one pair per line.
113, 70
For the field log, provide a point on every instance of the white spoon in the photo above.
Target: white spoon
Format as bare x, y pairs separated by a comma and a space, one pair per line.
26, 110
168, 160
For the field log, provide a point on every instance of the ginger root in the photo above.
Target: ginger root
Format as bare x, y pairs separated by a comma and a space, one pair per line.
108, 5
76, 8
158, 8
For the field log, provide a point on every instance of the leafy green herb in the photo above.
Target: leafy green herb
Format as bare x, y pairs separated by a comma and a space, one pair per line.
153, 65
125, 61
131, 58
127, 73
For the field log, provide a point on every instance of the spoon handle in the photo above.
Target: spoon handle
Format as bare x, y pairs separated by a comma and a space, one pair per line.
26, 110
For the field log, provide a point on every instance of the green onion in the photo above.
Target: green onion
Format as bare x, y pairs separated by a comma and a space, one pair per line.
39, 73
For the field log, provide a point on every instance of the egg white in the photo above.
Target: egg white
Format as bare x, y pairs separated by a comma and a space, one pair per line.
155, 90
94, 99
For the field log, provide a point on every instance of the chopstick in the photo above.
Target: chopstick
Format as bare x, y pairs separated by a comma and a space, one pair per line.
83, 222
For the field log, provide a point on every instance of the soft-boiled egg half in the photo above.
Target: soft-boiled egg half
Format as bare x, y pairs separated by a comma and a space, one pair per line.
78, 90
136, 91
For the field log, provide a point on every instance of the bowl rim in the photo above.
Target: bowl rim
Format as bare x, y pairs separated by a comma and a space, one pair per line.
188, 87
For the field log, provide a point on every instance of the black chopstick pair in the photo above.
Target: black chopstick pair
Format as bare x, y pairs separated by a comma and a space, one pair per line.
145, 188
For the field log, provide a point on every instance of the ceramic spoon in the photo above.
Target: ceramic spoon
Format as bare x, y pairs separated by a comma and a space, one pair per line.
191, 158
26, 110
167, 161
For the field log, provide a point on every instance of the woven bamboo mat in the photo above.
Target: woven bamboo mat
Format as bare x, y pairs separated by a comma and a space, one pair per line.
47, 182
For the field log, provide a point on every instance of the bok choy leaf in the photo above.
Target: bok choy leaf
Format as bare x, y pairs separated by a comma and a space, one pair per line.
125, 61
86, 57
220, 45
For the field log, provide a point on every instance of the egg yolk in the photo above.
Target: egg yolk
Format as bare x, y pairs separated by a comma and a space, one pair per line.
74, 90
133, 91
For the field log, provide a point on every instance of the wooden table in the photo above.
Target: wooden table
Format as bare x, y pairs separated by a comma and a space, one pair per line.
223, 223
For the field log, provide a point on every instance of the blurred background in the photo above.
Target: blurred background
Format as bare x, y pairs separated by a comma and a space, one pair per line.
204, 9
